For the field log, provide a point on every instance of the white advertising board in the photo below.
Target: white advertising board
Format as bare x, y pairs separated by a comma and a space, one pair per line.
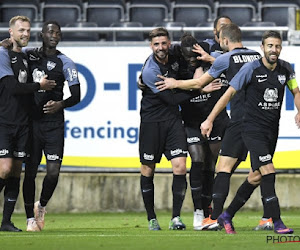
102, 131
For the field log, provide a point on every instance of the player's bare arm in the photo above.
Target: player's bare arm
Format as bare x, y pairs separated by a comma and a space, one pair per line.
204, 56
207, 125
171, 83
296, 94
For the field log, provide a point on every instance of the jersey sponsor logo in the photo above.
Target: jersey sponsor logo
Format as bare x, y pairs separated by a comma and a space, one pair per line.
270, 198
50, 65
19, 154
282, 79
22, 78
245, 58
261, 76
271, 95
37, 75
201, 98
14, 59
52, 157
3, 152
262, 80
193, 139
215, 138
265, 158
148, 157
177, 151
72, 74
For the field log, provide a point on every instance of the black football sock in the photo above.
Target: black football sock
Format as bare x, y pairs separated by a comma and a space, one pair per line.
268, 193
11, 193
208, 183
28, 195
196, 178
220, 192
179, 189
147, 189
2, 184
243, 194
49, 185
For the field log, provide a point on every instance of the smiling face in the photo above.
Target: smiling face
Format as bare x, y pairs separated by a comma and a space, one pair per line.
51, 36
271, 48
20, 34
160, 46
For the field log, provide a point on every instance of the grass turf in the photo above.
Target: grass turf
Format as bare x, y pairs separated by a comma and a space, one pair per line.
130, 231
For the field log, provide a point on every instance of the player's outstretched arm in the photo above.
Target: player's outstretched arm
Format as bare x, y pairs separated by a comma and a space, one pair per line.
171, 83
207, 125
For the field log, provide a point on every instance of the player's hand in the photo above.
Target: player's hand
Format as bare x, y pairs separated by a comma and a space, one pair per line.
140, 83
167, 83
52, 107
206, 128
213, 86
204, 56
6, 43
46, 84
297, 120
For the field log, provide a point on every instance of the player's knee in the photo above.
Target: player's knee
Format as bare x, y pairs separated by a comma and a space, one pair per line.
5, 170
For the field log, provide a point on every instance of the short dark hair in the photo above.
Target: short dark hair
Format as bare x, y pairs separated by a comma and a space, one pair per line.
161, 31
187, 40
232, 32
218, 18
45, 25
270, 33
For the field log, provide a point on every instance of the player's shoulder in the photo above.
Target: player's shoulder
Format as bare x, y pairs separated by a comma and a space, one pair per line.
284, 64
3, 51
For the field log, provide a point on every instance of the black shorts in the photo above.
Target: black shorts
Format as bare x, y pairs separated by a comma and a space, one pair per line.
157, 138
233, 144
194, 136
261, 147
47, 137
13, 139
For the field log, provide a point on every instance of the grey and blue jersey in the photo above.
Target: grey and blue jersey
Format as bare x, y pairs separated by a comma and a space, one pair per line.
264, 91
229, 64
58, 67
14, 107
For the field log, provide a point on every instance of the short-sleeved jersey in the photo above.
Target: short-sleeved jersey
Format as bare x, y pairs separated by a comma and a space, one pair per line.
264, 91
153, 108
199, 107
58, 67
13, 108
229, 64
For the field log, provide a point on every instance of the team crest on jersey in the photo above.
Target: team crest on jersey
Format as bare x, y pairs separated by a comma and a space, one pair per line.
282, 79
50, 65
25, 63
271, 95
37, 75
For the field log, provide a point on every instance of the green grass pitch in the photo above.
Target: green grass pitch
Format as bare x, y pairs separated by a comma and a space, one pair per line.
130, 231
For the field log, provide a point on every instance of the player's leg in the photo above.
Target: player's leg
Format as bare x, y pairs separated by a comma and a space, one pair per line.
147, 190
269, 196
176, 152
179, 186
53, 133
243, 194
196, 175
149, 139
35, 146
15, 139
